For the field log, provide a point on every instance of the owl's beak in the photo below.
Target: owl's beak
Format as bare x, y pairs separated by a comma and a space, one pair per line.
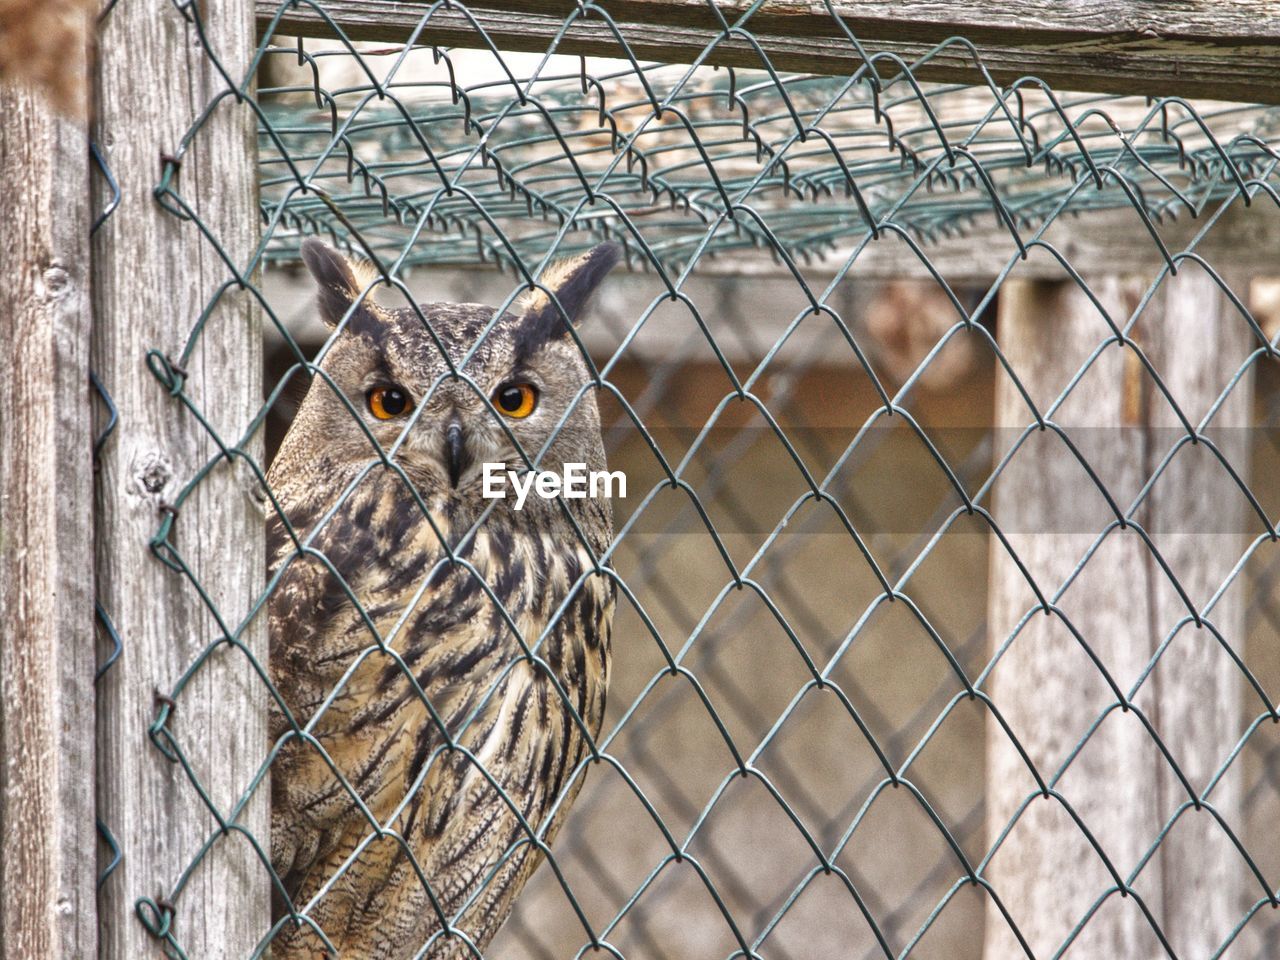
455, 453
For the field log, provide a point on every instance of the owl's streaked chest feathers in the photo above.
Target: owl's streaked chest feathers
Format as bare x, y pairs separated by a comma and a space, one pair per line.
387, 590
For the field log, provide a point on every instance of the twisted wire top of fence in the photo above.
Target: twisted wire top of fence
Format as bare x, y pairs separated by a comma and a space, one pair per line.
827, 162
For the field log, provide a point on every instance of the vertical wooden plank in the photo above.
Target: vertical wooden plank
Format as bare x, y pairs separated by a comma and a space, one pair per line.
1197, 516
1123, 605
1044, 686
154, 275
48, 847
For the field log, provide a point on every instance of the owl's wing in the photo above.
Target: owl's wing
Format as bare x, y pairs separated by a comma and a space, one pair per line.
473, 828
487, 811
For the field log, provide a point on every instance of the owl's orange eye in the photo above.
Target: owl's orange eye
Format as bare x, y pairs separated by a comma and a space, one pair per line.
386, 403
516, 400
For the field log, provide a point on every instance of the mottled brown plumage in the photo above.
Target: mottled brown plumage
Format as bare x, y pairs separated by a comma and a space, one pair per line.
386, 652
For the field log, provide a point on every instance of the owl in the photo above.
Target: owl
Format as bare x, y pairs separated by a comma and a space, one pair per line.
441, 658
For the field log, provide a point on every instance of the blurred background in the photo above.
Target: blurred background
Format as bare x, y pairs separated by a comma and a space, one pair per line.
748, 655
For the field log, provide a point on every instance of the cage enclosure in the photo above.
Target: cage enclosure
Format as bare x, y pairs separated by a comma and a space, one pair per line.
948, 404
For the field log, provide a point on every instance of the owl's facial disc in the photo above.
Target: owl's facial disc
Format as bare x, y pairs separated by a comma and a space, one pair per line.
521, 398
456, 431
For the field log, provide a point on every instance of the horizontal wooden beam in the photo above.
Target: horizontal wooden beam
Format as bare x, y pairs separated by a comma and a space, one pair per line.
1188, 48
1244, 240
1098, 242
1106, 243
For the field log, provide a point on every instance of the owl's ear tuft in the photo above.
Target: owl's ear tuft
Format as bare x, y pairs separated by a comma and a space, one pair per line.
339, 279
572, 282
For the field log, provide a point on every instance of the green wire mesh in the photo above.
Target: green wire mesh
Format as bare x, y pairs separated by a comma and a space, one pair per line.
825, 162
418, 156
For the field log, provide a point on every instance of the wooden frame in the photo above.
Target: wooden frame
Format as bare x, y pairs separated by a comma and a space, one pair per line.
152, 83
1225, 51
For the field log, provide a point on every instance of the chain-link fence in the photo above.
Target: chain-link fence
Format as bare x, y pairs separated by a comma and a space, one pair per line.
946, 617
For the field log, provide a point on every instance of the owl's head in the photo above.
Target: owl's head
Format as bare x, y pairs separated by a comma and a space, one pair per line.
464, 388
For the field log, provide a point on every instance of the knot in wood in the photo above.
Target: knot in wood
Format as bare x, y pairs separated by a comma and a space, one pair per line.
55, 283
151, 475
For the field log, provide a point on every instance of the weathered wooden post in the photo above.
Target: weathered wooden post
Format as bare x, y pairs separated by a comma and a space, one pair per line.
153, 276
47, 840
1123, 605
